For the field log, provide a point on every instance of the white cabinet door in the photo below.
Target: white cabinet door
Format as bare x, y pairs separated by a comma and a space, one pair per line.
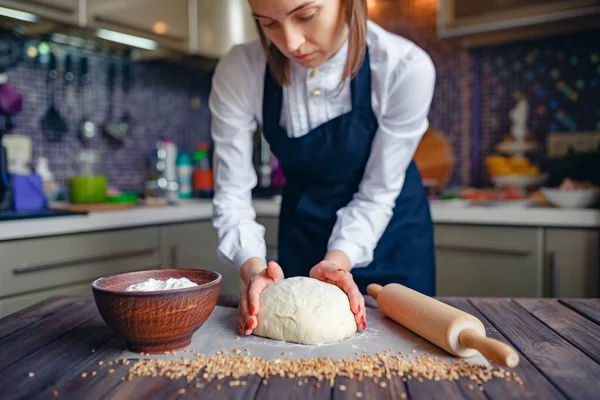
163, 21
57, 10
572, 262
194, 245
488, 261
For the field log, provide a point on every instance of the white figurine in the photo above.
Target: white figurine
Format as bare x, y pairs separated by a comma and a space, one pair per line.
518, 115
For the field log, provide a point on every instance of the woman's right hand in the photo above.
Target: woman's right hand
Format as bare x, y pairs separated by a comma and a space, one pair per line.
257, 277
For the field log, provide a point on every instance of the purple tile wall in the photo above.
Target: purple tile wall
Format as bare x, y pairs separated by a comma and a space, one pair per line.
472, 98
560, 78
473, 91
160, 104
450, 108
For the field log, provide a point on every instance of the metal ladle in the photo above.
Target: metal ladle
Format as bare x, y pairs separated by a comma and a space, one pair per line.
87, 129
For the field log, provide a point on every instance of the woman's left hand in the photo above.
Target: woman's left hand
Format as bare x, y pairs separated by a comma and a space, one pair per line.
329, 272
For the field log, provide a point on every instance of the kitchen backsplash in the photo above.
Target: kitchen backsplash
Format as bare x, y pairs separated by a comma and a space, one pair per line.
559, 76
473, 96
160, 103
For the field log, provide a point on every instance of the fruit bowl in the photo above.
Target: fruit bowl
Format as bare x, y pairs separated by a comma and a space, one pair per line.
520, 181
580, 198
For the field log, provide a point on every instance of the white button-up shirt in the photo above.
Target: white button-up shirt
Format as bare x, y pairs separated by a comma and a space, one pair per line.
402, 83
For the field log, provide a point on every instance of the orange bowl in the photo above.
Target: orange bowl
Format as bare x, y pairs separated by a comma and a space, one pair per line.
157, 321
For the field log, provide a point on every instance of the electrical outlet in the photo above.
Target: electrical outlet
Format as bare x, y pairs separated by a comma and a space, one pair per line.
559, 143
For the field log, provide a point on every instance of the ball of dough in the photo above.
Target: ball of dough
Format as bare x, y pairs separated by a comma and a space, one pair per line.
305, 310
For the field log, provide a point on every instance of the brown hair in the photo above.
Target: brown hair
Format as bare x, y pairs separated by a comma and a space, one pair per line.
356, 19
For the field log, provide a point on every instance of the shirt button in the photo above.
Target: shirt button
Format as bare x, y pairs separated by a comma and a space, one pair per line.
316, 92
314, 72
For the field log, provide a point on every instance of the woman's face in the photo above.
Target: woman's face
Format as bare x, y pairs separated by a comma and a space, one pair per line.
307, 31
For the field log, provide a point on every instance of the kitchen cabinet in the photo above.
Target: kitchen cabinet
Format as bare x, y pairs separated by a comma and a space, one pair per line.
166, 22
65, 11
478, 23
488, 261
69, 263
206, 28
194, 245
572, 262
13, 304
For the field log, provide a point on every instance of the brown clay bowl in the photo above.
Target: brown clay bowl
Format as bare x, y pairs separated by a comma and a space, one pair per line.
157, 321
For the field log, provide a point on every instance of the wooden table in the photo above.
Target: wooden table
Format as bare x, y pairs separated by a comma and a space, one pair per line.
45, 348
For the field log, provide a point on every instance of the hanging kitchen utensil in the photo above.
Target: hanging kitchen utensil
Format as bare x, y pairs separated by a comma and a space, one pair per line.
11, 49
11, 101
53, 124
111, 127
87, 129
11, 53
70, 80
125, 124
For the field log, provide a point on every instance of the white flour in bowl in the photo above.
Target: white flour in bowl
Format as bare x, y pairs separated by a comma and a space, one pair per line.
151, 285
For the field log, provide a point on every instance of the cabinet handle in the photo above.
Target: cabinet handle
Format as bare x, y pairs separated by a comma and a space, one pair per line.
69, 263
471, 249
554, 274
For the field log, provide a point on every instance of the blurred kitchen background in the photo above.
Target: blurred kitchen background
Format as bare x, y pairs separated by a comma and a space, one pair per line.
103, 112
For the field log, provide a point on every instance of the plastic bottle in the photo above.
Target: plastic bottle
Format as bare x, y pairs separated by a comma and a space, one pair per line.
184, 175
203, 176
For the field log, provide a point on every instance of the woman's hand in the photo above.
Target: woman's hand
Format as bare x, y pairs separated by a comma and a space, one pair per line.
329, 272
257, 277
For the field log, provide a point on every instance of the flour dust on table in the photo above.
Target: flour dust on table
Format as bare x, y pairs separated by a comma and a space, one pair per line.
306, 311
220, 333
152, 285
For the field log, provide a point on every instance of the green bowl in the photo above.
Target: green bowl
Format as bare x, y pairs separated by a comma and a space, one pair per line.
123, 198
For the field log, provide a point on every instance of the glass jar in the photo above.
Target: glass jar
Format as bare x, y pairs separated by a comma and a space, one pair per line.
87, 181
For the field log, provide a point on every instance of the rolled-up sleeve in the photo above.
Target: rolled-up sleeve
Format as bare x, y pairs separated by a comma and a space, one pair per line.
232, 128
402, 123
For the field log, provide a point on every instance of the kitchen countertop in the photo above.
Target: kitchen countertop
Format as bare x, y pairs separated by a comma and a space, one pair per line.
47, 348
195, 210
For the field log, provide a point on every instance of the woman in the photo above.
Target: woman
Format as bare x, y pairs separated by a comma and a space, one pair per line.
343, 105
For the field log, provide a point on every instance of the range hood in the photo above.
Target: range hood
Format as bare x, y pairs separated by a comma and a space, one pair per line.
220, 25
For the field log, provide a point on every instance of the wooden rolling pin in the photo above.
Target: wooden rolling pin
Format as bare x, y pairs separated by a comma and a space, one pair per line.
455, 331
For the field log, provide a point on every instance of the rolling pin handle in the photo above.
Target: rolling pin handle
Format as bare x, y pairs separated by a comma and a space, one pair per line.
492, 349
373, 289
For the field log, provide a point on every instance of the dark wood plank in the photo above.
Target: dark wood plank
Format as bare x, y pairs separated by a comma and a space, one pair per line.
57, 358
346, 388
442, 390
73, 386
31, 315
165, 388
71, 376
221, 389
590, 308
289, 389
573, 372
535, 385
39, 334
148, 387
572, 326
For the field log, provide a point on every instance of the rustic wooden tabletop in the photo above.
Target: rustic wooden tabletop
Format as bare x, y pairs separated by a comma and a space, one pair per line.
46, 351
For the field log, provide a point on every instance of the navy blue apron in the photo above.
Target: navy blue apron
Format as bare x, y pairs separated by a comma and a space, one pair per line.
323, 170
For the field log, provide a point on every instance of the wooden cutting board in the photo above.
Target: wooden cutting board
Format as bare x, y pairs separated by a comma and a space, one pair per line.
97, 207
435, 158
